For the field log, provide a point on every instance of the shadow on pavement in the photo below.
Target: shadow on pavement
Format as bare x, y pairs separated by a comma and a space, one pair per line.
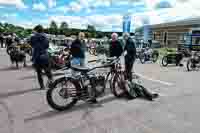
29, 67
9, 69
35, 76
16, 93
54, 113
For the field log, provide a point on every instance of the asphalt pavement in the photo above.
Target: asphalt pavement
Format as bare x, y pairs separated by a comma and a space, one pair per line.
24, 109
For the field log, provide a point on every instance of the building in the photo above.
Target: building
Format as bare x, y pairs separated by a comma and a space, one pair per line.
170, 34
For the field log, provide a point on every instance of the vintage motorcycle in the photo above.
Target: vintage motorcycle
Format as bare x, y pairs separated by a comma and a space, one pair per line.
86, 84
194, 61
148, 55
172, 58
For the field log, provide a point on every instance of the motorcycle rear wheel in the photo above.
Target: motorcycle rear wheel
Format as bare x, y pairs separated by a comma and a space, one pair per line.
190, 65
118, 86
142, 58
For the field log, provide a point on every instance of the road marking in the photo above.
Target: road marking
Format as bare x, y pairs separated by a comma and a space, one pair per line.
154, 80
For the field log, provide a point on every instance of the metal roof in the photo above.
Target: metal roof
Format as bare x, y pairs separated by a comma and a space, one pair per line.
186, 22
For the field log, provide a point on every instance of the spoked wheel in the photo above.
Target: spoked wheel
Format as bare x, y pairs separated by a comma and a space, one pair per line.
30, 52
164, 61
190, 65
62, 94
118, 86
142, 58
155, 57
8, 50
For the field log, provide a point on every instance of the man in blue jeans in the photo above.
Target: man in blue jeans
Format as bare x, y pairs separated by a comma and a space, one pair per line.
78, 49
40, 44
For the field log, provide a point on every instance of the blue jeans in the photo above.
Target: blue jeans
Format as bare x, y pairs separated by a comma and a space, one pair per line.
77, 62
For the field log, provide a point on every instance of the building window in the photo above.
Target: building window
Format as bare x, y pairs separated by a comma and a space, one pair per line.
154, 36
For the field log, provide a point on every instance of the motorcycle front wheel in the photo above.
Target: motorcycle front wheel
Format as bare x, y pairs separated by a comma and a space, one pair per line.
61, 96
118, 86
190, 65
164, 61
142, 58
8, 50
155, 57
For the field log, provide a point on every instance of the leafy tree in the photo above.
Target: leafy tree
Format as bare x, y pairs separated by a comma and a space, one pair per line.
63, 27
53, 28
92, 30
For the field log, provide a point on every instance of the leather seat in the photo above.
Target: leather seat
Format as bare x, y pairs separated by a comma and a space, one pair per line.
80, 69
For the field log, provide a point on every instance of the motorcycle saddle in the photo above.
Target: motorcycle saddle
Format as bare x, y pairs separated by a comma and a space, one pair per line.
80, 69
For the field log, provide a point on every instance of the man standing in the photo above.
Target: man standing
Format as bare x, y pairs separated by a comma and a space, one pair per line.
40, 44
1, 40
9, 41
78, 49
130, 55
115, 48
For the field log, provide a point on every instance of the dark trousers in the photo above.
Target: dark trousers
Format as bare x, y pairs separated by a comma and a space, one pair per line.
47, 70
128, 67
1, 43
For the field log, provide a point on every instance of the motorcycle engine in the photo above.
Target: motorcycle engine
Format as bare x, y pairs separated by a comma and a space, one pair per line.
98, 83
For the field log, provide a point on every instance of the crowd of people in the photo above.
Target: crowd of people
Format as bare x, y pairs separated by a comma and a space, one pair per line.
8, 40
40, 44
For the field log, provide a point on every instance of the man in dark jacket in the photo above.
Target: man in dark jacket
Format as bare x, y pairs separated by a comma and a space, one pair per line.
40, 44
1, 40
9, 41
115, 48
130, 55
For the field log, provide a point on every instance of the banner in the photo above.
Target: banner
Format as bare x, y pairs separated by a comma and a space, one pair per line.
127, 23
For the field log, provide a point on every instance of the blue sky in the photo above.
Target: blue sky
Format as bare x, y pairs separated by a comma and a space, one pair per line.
105, 15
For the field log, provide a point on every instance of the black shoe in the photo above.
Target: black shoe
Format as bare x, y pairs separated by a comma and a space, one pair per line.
152, 96
42, 88
181, 65
155, 95
93, 101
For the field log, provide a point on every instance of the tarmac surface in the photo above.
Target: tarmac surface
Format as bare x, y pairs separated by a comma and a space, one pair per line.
24, 109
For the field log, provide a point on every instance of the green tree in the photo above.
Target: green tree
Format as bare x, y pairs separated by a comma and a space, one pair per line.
63, 28
53, 28
92, 30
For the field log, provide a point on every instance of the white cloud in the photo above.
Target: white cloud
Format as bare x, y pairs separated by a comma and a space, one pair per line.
75, 7
39, 6
17, 3
101, 22
51, 3
73, 21
88, 5
106, 3
180, 10
63, 9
